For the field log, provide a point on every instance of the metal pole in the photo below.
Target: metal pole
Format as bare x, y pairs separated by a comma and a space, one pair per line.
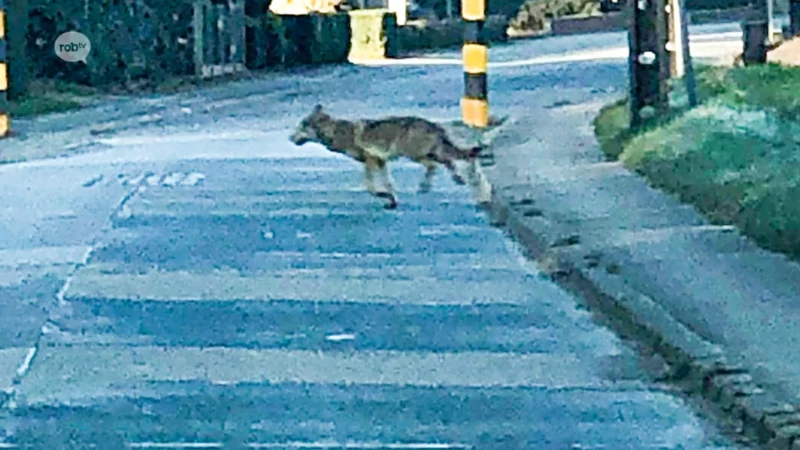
676, 37
5, 121
634, 95
754, 32
691, 82
475, 103
649, 59
17, 12
770, 21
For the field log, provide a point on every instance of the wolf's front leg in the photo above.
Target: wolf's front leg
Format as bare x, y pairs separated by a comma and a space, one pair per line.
378, 165
427, 182
454, 172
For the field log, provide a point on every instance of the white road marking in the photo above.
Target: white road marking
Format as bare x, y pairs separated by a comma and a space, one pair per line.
150, 118
192, 179
172, 179
154, 180
39, 256
133, 181
26, 363
293, 445
125, 212
705, 48
446, 230
340, 337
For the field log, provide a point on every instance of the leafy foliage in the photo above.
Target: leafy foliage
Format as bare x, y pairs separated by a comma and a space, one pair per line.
735, 157
130, 38
534, 14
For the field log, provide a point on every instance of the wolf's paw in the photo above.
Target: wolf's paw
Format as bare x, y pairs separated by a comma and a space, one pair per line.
392, 204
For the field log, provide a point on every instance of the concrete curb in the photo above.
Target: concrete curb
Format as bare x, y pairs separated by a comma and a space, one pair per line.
700, 367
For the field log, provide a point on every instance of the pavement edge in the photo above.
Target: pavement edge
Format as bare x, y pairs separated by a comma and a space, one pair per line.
702, 368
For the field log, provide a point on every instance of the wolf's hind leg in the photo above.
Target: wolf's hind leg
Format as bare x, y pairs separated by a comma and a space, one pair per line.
388, 184
481, 188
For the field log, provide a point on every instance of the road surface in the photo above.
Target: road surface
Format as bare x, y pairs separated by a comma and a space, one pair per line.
201, 280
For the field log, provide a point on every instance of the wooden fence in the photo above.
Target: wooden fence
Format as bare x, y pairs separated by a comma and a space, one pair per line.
219, 37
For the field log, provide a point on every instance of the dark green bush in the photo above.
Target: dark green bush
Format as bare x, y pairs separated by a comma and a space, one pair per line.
534, 14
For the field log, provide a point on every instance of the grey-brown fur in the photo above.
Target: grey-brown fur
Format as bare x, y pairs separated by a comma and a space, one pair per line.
375, 142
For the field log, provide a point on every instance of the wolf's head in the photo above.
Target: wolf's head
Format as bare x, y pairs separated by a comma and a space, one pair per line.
309, 128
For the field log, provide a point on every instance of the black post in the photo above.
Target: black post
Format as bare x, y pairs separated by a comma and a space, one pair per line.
17, 45
475, 54
648, 62
755, 34
5, 121
794, 17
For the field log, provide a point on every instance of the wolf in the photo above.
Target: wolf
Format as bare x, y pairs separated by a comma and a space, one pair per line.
375, 142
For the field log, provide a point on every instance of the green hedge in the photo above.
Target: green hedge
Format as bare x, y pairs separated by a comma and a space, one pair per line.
533, 14
375, 34
446, 34
312, 39
507, 8
734, 157
155, 40
152, 40
332, 36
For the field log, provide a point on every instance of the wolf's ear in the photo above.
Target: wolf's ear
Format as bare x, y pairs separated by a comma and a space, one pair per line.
317, 109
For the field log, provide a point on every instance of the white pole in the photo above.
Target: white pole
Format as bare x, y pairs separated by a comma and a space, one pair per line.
677, 63
770, 21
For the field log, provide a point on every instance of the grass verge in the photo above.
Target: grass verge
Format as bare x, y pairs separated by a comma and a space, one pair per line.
45, 97
736, 157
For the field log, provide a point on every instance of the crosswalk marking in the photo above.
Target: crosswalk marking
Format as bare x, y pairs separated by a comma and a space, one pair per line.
94, 281
101, 371
291, 445
133, 181
421, 323
38, 256
193, 179
153, 180
172, 179
167, 179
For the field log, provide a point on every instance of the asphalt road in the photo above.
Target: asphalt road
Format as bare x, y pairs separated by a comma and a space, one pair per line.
201, 280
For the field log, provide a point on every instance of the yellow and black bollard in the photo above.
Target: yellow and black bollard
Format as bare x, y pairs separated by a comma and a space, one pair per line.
475, 103
5, 121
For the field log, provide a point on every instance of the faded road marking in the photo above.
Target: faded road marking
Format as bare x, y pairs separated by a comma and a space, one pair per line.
92, 281
172, 179
93, 372
193, 179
